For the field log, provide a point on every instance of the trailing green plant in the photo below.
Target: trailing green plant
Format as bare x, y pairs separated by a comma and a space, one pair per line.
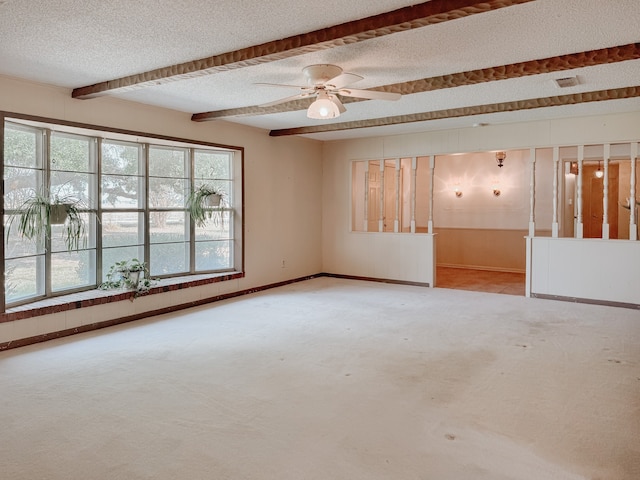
38, 212
203, 205
130, 275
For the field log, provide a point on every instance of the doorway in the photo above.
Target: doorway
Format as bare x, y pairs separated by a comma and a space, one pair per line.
481, 211
508, 283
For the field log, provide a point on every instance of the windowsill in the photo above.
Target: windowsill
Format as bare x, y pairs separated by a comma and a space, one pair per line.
94, 297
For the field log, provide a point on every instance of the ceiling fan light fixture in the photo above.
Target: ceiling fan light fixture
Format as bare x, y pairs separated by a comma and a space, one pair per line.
323, 108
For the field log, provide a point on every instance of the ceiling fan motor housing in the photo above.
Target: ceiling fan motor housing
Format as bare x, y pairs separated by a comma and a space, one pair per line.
320, 74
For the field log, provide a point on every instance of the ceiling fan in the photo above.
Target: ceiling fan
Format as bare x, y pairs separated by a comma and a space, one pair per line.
326, 82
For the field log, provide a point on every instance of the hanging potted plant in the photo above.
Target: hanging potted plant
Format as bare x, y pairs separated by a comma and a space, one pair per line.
206, 202
36, 215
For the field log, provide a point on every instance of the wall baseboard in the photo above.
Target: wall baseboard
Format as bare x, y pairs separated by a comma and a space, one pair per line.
23, 342
589, 301
130, 318
372, 279
482, 267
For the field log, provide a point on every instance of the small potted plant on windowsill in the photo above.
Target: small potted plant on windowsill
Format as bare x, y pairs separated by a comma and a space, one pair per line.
129, 275
206, 202
36, 215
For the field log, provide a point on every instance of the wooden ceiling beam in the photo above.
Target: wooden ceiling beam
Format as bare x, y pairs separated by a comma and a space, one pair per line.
560, 100
407, 18
515, 70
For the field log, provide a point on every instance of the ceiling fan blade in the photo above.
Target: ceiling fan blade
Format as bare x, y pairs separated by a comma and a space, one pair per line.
370, 94
342, 80
283, 85
286, 99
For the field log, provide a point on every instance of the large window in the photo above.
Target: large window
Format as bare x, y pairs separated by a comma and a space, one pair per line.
132, 194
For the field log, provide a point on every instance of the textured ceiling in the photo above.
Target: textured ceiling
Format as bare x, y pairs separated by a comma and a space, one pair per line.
79, 43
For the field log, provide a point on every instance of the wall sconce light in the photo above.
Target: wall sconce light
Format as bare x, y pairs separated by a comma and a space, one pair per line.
496, 190
457, 191
573, 168
500, 156
599, 173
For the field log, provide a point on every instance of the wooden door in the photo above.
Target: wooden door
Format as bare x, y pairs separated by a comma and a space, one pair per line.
592, 217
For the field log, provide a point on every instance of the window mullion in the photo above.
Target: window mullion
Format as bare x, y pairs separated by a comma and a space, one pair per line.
192, 226
145, 206
98, 205
46, 167
3, 300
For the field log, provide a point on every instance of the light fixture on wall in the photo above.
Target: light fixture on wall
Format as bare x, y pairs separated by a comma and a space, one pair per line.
496, 190
323, 107
500, 156
573, 168
457, 191
599, 173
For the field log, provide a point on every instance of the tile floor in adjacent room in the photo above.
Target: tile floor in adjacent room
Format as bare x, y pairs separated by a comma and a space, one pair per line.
480, 280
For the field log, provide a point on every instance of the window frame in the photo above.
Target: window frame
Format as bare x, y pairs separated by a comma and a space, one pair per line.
96, 135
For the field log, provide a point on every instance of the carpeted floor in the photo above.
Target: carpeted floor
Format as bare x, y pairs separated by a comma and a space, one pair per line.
333, 379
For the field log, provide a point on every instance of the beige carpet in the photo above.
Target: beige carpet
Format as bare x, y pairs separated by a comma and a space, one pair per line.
333, 379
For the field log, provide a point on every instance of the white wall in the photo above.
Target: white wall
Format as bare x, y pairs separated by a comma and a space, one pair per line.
586, 268
353, 253
475, 174
283, 189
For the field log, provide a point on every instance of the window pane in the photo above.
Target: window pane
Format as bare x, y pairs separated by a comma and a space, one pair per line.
166, 162
209, 165
74, 186
219, 185
121, 159
214, 255
168, 258
22, 146
86, 240
216, 230
18, 246
167, 192
168, 227
21, 278
71, 153
122, 192
113, 255
72, 270
20, 184
122, 229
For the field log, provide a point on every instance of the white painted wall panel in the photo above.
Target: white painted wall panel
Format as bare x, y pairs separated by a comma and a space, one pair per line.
553, 273
607, 270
